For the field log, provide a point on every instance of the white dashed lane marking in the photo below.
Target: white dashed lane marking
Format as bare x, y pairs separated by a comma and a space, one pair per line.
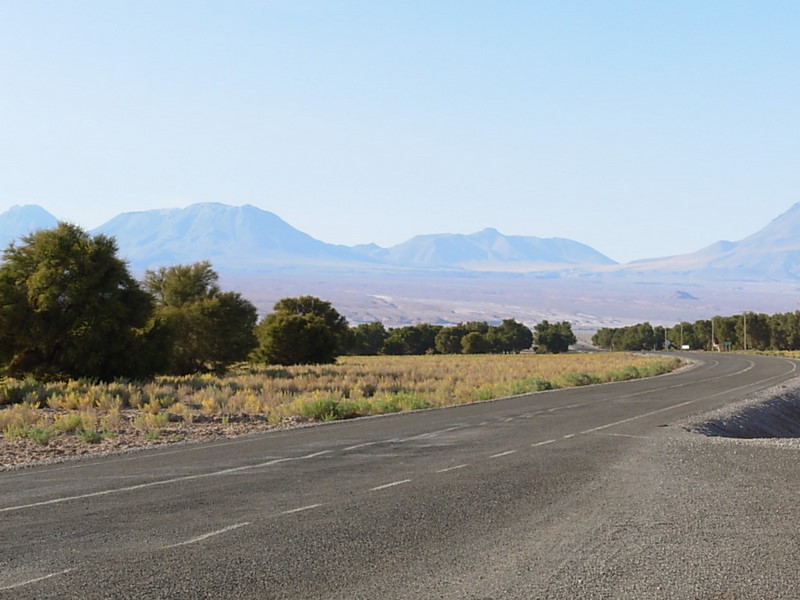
388, 485
150, 484
544, 443
506, 453
451, 468
205, 536
301, 509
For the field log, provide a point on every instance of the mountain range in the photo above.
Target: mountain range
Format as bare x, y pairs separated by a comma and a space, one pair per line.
772, 253
450, 278
247, 239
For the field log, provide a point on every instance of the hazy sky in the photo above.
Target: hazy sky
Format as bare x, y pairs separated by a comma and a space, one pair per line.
642, 128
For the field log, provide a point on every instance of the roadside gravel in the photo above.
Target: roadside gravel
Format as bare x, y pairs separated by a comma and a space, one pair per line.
23, 452
695, 514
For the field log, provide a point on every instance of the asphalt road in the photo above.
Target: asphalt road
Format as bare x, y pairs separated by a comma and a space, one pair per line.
581, 493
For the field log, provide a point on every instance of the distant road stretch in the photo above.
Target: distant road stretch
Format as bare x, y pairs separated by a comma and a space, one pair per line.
590, 492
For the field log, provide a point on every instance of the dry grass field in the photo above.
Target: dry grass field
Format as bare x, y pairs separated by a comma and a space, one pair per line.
46, 420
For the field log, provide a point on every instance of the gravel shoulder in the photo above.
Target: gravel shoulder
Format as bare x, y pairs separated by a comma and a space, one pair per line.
23, 452
693, 513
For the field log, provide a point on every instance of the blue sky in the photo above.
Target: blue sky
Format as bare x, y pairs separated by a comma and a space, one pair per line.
640, 128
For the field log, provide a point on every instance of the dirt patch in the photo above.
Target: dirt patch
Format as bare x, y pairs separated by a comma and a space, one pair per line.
22, 451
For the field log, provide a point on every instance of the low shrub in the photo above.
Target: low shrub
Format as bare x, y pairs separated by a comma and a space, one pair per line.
579, 379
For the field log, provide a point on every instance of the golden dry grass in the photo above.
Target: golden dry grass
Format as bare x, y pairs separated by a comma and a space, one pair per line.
353, 386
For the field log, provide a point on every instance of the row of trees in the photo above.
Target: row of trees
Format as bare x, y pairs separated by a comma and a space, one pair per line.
70, 308
474, 337
477, 337
748, 331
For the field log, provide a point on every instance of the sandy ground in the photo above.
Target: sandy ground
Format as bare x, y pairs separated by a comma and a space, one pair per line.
21, 452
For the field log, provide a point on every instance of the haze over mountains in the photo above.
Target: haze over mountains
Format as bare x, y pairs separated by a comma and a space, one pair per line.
455, 277
772, 253
249, 239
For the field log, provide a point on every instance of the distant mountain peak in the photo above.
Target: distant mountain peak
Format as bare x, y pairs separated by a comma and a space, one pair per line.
681, 295
19, 221
489, 249
770, 254
240, 238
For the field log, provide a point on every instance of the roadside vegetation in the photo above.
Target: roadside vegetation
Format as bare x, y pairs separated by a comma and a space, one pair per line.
89, 354
747, 331
352, 387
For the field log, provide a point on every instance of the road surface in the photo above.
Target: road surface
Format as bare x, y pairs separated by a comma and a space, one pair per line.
581, 493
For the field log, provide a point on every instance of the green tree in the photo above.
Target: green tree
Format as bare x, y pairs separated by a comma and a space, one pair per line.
475, 343
725, 331
208, 329
365, 339
448, 340
756, 325
412, 339
553, 338
180, 285
701, 334
684, 333
70, 308
510, 336
604, 338
303, 330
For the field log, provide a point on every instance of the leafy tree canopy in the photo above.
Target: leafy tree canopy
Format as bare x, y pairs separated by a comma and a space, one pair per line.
553, 338
510, 336
412, 339
208, 329
303, 330
365, 339
180, 285
70, 308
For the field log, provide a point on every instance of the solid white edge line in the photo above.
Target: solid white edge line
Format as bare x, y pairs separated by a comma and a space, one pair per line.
150, 484
364, 445
32, 581
316, 454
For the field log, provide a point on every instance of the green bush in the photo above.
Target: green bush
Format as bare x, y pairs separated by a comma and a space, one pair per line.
578, 379
40, 435
411, 402
385, 404
90, 436
320, 409
625, 374
526, 386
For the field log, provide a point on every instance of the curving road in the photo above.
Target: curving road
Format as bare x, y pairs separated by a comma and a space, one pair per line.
581, 493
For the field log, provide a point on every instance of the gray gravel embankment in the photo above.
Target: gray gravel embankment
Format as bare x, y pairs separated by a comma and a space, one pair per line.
773, 414
694, 514
716, 513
